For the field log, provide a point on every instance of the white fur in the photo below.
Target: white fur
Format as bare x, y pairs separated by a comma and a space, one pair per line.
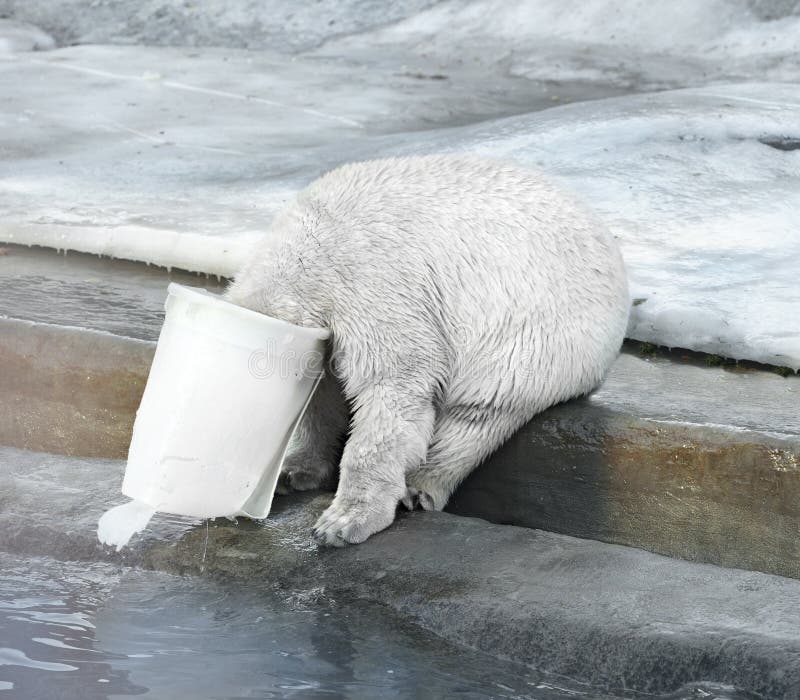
464, 296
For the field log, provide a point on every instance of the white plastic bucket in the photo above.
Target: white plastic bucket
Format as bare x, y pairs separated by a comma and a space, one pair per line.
226, 390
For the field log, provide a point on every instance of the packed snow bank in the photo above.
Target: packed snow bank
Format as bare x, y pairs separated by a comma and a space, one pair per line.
183, 160
634, 43
157, 154
630, 42
153, 154
20, 36
701, 186
283, 25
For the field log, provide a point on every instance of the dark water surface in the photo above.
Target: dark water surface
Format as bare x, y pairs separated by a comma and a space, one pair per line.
93, 630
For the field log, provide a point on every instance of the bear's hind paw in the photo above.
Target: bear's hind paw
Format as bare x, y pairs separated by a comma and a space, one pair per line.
414, 500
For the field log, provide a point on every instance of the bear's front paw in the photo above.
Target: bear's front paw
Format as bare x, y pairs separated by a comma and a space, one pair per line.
349, 520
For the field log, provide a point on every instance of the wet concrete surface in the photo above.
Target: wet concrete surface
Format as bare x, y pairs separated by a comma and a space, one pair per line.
89, 291
615, 617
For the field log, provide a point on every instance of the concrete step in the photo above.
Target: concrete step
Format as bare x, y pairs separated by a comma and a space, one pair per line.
69, 391
66, 388
696, 462
701, 463
720, 484
87, 291
615, 617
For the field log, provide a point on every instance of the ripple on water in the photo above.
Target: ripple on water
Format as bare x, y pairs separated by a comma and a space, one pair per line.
77, 630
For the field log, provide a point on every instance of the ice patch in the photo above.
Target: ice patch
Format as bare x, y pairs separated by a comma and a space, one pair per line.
257, 24
117, 525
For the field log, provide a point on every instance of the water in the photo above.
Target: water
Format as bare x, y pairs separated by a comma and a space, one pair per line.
95, 631
86, 631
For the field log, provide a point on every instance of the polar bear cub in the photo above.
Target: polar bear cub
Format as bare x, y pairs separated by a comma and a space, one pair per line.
463, 296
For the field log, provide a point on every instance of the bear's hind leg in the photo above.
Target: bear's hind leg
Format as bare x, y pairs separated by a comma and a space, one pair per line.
391, 429
316, 446
462, 439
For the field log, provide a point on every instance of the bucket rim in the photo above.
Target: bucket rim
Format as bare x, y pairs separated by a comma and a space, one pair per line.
206, 298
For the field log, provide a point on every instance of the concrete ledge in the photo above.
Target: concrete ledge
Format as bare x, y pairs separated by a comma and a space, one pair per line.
692, 462
69, 391
616, 617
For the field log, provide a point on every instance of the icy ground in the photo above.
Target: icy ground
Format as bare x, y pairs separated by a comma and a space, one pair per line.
181, 156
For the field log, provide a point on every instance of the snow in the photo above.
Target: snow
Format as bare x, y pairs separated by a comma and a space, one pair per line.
21, 36
626, 42
285, 25
679, 43
706, 210
181, 157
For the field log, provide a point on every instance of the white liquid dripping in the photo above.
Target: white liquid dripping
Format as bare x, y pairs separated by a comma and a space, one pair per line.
117, 525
